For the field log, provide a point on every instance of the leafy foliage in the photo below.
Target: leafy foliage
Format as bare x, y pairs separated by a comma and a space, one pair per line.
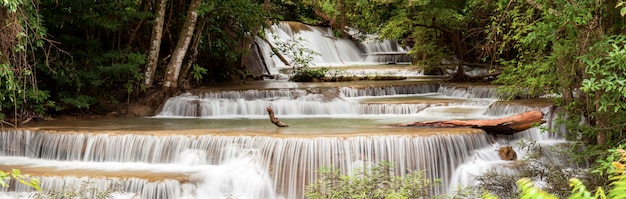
309, 74
78, 86
606, 67
16, 174
374, 182
226, 26
570, 50
300, 58
21, 35
197, 72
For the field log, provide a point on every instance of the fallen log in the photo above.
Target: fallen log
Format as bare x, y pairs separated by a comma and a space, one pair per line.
273, 119
501, 126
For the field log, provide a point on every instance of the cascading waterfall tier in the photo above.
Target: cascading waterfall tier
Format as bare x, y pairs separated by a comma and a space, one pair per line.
283, 165
330, 50
312, 102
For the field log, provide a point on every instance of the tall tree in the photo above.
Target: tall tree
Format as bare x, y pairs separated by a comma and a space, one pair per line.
174, 66
155, 45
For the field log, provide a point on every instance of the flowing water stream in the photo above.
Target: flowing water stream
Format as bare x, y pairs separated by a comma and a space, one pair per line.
218, 142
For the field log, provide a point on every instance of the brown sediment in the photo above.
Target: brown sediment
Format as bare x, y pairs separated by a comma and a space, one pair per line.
51, 172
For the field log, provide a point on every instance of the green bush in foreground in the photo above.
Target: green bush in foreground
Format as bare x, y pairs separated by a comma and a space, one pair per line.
16, 174
372, 183
614, 166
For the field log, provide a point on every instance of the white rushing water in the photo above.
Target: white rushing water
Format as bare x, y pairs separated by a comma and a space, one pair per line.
219, 166
331, 50
341, 102
262, 166
238, 175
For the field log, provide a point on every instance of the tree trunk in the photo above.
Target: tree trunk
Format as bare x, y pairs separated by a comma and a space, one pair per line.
194, 52
326, 19
277, 53
155, 46
459, 51
173, 67
502, 126
342, 22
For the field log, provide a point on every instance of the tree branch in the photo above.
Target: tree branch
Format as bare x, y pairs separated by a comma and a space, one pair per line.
273, 119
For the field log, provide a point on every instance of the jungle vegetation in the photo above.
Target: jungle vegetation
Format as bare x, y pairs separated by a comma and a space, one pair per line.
91, 57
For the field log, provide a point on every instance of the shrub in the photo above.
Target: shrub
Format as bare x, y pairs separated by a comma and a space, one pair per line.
308, 74
372, 183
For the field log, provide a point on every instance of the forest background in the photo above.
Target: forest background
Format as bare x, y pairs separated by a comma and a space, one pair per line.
85, 57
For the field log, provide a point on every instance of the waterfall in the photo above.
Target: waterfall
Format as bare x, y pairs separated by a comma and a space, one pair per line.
241, 163
347, 101
385, 51
333, 51
483, 91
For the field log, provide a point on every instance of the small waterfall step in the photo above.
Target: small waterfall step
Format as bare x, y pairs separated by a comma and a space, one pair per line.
345, 101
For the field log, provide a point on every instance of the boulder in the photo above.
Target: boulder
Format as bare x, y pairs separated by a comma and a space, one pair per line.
507, 153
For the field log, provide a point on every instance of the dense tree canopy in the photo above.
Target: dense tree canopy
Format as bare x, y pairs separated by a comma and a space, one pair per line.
85, 47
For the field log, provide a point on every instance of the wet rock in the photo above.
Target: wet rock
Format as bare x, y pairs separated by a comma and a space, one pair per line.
507, 153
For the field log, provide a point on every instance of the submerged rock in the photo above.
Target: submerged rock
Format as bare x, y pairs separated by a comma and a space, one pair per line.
507, 153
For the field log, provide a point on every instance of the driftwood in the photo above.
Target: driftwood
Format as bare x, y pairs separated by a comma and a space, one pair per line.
502, 126
273, 119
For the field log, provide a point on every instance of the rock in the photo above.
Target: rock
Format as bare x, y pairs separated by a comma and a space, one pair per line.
139, 111
254, 62
507, 153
